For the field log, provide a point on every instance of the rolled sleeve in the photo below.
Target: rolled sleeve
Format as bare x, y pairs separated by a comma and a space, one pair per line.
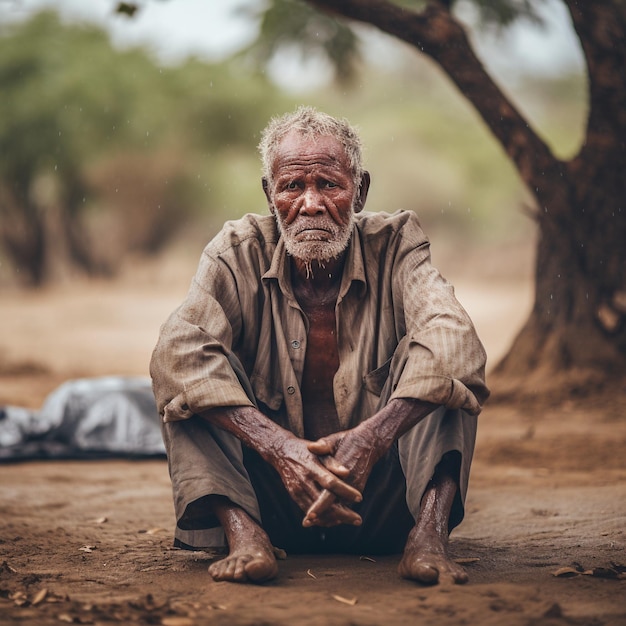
190, 368
444, 360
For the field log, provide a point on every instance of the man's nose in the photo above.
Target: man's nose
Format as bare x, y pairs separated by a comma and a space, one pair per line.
312, 202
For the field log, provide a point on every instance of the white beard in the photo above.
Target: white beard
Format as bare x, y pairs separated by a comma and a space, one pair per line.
313, 249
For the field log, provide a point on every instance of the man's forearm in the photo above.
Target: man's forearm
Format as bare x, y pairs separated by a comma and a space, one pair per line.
250, 426
396, 418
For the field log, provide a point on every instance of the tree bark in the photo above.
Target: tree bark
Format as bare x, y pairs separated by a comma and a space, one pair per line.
576, 331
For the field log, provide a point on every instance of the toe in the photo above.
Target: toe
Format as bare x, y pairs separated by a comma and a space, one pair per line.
460, 576
426, 574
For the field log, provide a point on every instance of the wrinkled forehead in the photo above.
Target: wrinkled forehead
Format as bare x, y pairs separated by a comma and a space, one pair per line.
296, 149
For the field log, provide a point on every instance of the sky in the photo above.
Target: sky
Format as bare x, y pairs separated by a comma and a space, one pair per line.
213, 29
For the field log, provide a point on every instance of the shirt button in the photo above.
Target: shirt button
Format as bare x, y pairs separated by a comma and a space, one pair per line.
291, 390
295, 344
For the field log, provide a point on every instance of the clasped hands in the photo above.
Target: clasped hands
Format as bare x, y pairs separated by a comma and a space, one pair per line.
326, 476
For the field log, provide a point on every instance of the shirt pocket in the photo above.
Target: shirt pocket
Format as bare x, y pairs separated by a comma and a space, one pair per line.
376, 379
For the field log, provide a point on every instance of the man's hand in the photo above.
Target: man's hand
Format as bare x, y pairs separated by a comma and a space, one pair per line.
358, 449
306, 478
351, 452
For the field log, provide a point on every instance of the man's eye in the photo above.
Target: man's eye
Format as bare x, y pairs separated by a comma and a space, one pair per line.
329, 184
292, 185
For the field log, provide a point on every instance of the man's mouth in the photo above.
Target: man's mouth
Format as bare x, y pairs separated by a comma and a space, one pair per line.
312, 233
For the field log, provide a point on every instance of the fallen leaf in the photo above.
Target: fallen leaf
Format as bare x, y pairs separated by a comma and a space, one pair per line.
154, 531
350, 601
40, 596
177, 621
8, 568
87, 548
311, 574
99, 520
19, 598
565, 572
64, 617
467, 560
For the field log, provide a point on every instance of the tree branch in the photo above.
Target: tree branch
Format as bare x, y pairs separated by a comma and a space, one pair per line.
438, 34
600, 26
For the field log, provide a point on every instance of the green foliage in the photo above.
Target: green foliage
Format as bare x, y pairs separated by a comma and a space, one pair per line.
84, 126
292, 25
502, 13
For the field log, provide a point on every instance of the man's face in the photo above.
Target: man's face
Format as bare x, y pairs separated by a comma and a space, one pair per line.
312, 195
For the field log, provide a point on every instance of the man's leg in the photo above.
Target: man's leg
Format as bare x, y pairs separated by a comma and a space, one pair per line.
250, 552
426, 558
436, 456
213, 496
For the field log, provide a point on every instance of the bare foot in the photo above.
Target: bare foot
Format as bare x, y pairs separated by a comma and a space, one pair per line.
251, 555
426, 559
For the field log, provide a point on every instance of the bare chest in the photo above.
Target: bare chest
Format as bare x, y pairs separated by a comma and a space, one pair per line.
320, 366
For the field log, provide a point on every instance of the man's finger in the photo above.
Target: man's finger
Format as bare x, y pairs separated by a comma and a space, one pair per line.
321, 446
337, 468
326, 511
342, 490
323, 502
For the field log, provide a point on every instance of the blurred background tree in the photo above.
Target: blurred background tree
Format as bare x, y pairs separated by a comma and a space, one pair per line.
104, 154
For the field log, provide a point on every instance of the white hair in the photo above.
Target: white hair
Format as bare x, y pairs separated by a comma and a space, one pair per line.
310, 122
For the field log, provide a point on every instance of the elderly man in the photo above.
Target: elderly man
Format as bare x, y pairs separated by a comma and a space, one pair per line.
319, 386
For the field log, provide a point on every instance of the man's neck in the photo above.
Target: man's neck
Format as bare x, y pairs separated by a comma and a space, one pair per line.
317, 278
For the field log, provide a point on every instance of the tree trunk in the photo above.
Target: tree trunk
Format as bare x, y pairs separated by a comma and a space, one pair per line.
577, 328
576, 332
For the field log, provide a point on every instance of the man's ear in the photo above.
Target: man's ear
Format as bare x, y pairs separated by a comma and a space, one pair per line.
362, 192
266, 191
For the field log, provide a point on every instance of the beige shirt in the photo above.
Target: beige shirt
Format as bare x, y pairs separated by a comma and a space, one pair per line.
394, 313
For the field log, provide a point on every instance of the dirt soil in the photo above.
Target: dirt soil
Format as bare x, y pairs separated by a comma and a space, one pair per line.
90, 542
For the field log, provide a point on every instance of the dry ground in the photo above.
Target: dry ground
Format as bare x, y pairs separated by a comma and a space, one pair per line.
90, 542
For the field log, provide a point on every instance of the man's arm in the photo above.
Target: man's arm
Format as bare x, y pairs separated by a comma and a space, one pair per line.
305, 477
